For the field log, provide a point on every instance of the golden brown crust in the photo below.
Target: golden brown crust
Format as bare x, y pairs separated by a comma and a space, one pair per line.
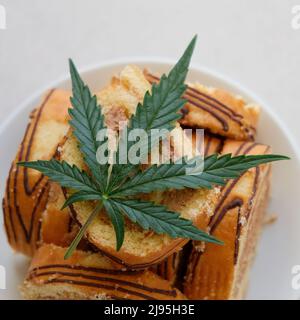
218, 111
90, 276
216, 272
26, 189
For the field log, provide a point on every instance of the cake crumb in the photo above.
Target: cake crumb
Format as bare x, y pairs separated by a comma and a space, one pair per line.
270, 219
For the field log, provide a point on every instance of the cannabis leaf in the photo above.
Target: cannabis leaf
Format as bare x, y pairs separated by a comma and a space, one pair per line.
159, 110
174, 176
66, 175
117, 220
109, 186
157, 218
86, 121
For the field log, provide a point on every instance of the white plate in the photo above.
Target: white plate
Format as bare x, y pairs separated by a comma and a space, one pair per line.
278, 250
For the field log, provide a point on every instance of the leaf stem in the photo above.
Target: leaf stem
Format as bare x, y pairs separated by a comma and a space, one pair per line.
109, 171
80, 234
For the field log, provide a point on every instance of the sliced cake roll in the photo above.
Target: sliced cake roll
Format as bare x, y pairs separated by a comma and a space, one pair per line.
174, 267
141, 248
88, 275
124, 93
221, 272
57, 226
26, 189
218, 111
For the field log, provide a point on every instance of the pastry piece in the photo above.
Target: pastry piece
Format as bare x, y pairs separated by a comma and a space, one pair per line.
141, 248
57, 226
221, 272
217, 110
124, 93
26, 189
89, 275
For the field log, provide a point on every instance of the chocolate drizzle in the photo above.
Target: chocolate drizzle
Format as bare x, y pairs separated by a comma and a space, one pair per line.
83, 268
232, 205
38, 190
168, 268
118, 284
221, 112
29, 191
9, 209
237, 237
221, 209
5, 219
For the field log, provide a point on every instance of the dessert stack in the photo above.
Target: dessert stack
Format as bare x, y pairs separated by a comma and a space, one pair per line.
149, 265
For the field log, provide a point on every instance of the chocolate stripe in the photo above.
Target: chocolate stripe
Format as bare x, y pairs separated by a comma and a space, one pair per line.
16, 206
221, 104
27, 232
28, 150
35, 210
221, 120
237, 237
191, 99
105, 279
233, 183
5, 219
100, 286
251, 147
201, 102
213, 102
140, 265
239, 149
9, 205
227, 192
189, 94
91, 269
233, 204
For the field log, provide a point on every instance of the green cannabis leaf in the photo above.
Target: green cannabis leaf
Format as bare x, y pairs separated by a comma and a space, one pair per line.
174, 176
159, 110
86, 121
151, 216
110, 186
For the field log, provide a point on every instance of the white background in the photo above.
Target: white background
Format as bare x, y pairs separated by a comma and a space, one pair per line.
251, 41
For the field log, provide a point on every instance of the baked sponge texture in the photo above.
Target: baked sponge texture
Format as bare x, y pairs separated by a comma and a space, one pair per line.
26, 189
90, 276
221, 272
